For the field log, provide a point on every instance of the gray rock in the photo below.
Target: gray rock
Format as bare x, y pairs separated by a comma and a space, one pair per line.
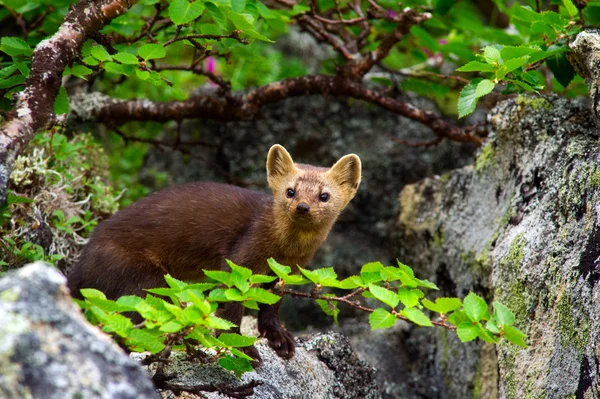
523, 227
324, 367
48, 350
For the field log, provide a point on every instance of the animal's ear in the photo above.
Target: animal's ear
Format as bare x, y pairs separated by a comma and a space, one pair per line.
347, 171
279, 162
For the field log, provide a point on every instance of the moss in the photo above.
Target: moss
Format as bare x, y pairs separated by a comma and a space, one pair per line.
534, 102
595, 178
485, 158
9, 295
515, 296
573, 333
438, 238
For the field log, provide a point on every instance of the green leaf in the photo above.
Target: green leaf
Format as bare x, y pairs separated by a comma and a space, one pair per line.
201, 286
233, 294
484, 87
521, 84
145, 340
491, 55
17, 199
235, 364
251, 304
475, 307
515, 336
152, 51
503, 315
476, 66
100, 53
91, 293
261, 278
6, 72
319, 276
442, 305
218, 295
182, 11
219, 323
80, 71
510, 66
143, 75
371, 272
330, 308
467, 332
384, 295
174, 283
113, 67
126, 58
14, 80
128, 302
61, 103
244, 22
217, 15
510, 52
238, 5
381, 318
571, 9
15, 46
163, 291
262, 296
236, 340
467, 99
172, 326
545, 29
561, 68
220, 276
280, 270
409, 296
119, 324
427, 284
351, 283
416, 316
244, 272
240, 282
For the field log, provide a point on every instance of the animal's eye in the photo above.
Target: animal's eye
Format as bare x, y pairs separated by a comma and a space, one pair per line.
290, 192
324, 197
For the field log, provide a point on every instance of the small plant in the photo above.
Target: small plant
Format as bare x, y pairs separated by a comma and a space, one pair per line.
182, 316
58, 193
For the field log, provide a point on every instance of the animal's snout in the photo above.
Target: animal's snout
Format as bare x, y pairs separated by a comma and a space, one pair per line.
302, 208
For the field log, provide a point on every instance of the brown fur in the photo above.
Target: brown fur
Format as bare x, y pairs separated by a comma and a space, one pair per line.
185, 229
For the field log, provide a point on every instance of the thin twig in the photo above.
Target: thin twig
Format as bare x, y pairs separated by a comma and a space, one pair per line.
355, 305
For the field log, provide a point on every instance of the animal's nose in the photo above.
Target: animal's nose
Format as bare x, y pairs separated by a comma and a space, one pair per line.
302, 208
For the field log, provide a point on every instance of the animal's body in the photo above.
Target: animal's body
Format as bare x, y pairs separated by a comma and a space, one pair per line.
185, 229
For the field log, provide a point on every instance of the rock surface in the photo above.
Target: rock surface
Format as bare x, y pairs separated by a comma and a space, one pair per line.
523, 227
49, 351
324, 367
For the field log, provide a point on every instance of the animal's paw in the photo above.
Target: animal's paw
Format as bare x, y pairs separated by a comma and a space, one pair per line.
280, 340
253, 353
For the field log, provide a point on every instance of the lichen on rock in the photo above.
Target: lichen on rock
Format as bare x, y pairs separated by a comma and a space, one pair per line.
534, 217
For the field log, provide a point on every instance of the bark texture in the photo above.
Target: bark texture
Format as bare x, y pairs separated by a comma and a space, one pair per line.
523, 227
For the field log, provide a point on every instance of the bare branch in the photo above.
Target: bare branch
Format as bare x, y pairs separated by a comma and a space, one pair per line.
101, 108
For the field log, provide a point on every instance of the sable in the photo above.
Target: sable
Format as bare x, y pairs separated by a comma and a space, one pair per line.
188, 228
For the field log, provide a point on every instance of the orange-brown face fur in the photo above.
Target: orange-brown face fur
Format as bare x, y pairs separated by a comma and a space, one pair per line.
308, 197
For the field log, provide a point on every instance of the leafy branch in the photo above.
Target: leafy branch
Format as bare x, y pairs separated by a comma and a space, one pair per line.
183, 316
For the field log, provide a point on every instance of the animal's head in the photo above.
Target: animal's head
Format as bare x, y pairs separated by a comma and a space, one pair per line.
311, 195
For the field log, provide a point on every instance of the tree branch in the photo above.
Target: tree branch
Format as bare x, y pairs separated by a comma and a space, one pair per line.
356, 305
34, 107
97, 107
